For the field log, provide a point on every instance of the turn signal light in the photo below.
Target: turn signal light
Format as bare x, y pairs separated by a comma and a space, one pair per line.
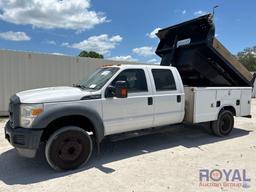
36, 112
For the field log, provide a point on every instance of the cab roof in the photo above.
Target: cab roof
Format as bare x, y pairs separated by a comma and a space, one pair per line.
129, 66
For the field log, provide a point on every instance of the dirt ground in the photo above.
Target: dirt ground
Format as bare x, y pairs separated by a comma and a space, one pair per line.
161, 162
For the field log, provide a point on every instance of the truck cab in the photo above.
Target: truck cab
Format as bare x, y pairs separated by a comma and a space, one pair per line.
151, 90
115, 99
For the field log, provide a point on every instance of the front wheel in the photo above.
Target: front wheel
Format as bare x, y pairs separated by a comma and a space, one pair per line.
68, 148
224, 124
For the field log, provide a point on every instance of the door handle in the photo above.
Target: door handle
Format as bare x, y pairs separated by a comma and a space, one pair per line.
150, 100
178, 98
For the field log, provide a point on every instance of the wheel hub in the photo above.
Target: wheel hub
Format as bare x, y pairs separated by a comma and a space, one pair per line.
70, 150
225, 124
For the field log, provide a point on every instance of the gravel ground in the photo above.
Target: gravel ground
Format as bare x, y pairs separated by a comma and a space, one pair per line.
161, 162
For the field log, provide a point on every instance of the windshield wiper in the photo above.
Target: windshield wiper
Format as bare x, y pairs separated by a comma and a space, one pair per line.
79, 86
84, 87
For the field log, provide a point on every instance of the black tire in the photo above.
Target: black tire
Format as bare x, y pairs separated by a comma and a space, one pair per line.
224, 124
68, 148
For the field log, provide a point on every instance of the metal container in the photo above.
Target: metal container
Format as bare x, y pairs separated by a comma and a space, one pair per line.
200, 58
24, 70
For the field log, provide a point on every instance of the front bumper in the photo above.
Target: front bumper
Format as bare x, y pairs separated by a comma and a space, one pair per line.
26, 141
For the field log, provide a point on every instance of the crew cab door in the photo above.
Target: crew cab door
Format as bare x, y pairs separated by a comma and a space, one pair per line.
131, 113
168, 97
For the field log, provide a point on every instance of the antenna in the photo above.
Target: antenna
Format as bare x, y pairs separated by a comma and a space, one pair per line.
213, 10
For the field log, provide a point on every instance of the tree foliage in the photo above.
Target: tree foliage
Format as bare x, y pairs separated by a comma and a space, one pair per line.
248, 58
91, 54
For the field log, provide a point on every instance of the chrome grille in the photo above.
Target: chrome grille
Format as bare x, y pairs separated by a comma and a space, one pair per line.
14, 111
19, 139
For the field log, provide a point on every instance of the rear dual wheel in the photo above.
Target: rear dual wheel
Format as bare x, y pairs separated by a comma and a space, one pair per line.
68, 148
224, 124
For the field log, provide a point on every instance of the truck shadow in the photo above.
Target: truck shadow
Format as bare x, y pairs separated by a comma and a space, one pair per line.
18, 170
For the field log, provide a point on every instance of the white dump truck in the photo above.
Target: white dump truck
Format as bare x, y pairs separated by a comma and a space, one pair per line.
119, 99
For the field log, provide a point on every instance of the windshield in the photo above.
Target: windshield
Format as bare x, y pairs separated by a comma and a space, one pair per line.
98, 79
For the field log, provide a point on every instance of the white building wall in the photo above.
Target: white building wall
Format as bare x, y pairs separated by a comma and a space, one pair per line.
23, 70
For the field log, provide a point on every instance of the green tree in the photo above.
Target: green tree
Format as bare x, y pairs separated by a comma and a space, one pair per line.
248, 58
91, 54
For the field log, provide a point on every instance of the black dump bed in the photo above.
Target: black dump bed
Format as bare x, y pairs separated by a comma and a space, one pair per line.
200, 58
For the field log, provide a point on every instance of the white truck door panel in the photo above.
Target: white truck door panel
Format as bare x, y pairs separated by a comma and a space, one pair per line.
245, 104
204, 103
229, 97
133, 112
127, 114
167, 110
228, 94
168, 99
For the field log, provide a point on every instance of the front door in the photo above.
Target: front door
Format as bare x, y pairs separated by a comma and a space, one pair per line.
132, 113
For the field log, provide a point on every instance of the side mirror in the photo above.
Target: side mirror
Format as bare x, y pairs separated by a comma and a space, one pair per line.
121, 89
110, 91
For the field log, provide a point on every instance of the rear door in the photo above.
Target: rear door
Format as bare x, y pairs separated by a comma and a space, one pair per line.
168, 99
246, 95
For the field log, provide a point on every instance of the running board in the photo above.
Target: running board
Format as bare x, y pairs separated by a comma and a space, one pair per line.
143, 132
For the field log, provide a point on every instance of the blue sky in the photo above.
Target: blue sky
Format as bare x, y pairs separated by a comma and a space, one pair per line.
119, 29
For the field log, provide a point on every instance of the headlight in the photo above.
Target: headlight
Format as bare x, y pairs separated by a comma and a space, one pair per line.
28, 112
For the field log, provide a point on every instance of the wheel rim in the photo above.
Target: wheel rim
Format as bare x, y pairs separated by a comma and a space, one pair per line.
225, 124
70, 149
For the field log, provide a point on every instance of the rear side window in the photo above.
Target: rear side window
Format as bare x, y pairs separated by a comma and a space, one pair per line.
164, 80
135, 78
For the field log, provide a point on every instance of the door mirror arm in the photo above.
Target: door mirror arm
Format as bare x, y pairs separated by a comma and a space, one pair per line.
110, 91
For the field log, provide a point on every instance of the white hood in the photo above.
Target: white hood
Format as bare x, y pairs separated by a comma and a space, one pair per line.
52, 94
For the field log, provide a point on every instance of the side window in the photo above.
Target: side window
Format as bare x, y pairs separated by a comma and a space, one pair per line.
164, 80
135, 79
